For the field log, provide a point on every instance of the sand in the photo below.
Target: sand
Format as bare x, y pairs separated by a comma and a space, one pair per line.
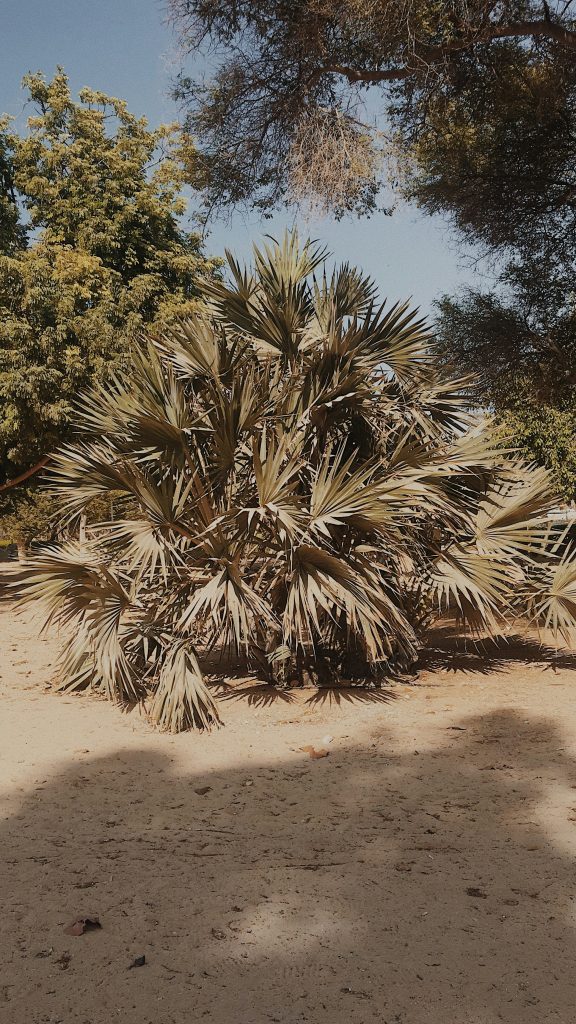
422, 873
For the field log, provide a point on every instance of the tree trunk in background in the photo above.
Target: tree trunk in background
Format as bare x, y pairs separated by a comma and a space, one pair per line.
22, 549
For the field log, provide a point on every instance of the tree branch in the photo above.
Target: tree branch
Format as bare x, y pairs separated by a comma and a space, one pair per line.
359, 75
544, 29
538, 29
26, 475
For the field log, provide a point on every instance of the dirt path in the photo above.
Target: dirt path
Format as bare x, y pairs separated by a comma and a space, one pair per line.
423, 873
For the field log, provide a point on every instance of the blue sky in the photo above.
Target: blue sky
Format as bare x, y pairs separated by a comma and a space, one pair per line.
125, 48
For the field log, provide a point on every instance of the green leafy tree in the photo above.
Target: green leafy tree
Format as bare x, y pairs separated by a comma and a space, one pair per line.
12, 235
28, 514
106, 255
495, 149
305, 485
547, 434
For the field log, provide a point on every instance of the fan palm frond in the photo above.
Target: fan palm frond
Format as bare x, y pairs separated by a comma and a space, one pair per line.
182, 700
347, 293
199, 350
474, 584
551, 596
513, 513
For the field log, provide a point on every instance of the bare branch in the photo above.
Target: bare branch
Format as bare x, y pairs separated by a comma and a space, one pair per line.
26, 475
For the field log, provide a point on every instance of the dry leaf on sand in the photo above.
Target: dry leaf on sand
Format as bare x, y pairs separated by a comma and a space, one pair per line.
315, 754
81, 925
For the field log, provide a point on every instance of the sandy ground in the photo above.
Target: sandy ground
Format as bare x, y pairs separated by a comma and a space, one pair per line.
423, 873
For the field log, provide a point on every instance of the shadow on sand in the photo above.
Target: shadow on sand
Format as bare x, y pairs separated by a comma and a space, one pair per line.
448, 650
372, 886
262, 695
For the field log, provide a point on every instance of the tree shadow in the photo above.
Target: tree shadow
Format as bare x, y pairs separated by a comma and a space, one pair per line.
259, 695
334, 696
262, 695
12, 576
374, 885
450, 651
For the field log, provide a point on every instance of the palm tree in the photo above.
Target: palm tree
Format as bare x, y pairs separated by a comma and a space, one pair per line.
297, 480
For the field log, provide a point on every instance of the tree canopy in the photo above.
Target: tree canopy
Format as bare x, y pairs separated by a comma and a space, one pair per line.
99, 253
287, 87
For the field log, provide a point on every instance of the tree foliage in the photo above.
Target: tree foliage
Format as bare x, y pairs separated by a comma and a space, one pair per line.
431, 66
496, 150
523, 343
303, 483
27, 515
519, 352
12, 235
100, 255
498, 155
